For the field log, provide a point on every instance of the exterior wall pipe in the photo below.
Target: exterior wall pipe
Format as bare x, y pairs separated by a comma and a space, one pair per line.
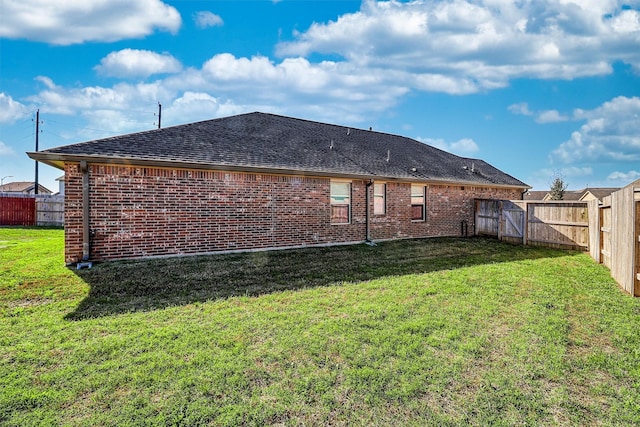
367, 211
86, 245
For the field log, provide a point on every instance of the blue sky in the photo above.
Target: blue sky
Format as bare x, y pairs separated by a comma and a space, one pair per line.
537, 88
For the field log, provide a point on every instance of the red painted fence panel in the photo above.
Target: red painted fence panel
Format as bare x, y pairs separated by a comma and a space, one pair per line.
17, 211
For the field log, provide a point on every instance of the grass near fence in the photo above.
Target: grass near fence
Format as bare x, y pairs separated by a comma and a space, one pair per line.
420, 332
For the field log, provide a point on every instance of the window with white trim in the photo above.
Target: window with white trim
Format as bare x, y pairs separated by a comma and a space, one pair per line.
418, 205
340, 202
379, 199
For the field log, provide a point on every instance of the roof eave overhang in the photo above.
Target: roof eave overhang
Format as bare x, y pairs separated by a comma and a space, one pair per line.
58, 161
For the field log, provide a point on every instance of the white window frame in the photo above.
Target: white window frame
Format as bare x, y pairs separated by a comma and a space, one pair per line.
419, 190
379, 195
340, 196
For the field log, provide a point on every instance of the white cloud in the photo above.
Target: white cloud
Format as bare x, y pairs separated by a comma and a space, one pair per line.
194, 106
467, 46
462, 147
520, 109
335, 90
325, 91
576, 171
204, 19
628, 21
624, 177
71, 22
10, 109
611, 132
546, 116
388, 49
121, 108
551, 116
137, 63
46, 81
5, 150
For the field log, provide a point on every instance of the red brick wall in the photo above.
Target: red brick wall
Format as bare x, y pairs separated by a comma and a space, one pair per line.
143, 211
447, 206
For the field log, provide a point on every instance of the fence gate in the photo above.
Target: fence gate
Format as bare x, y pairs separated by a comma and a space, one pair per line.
512, 222
503, 219
487, 217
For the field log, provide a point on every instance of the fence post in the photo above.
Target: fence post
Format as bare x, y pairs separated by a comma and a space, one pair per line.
500, 206
525, 224
594, 229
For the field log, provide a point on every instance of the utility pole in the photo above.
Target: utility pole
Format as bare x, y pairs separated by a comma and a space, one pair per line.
159, 115
35, 188
2, 182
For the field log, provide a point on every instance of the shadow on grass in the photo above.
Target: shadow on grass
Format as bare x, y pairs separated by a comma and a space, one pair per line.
126, 286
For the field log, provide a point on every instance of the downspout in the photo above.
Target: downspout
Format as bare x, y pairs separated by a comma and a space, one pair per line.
86, 242
367, 220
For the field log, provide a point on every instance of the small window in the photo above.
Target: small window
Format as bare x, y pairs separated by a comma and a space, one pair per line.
340, 202
379, 199
417, 202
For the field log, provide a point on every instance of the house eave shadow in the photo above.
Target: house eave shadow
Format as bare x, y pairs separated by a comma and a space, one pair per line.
145, 285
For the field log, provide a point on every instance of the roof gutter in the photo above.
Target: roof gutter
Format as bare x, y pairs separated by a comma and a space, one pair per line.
367, 214
58, 161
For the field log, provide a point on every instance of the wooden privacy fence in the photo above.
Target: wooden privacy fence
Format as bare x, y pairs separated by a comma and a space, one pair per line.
50, 210
609, 230
555, 224
30, 210
615, 235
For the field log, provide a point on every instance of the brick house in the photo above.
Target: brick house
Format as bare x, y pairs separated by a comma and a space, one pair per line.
262, 181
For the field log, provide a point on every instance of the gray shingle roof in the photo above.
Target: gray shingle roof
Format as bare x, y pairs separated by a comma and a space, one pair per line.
535, 195
23, 187
599, 193
260, 141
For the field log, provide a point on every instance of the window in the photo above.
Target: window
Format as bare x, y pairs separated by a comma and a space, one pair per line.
379, 199
340, 202
417, 202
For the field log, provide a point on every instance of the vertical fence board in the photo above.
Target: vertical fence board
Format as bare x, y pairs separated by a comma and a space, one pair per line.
605, 233
622, 242
636, 237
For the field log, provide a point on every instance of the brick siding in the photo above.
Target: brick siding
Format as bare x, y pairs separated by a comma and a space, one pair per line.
447, 207
144, 211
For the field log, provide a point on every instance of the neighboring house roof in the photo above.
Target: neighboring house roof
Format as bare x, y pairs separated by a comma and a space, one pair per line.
587, 194
278, 144
535, 195
572, 195
23, 187
597, 193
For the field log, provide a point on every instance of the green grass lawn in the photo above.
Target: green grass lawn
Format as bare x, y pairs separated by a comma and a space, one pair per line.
421, 332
